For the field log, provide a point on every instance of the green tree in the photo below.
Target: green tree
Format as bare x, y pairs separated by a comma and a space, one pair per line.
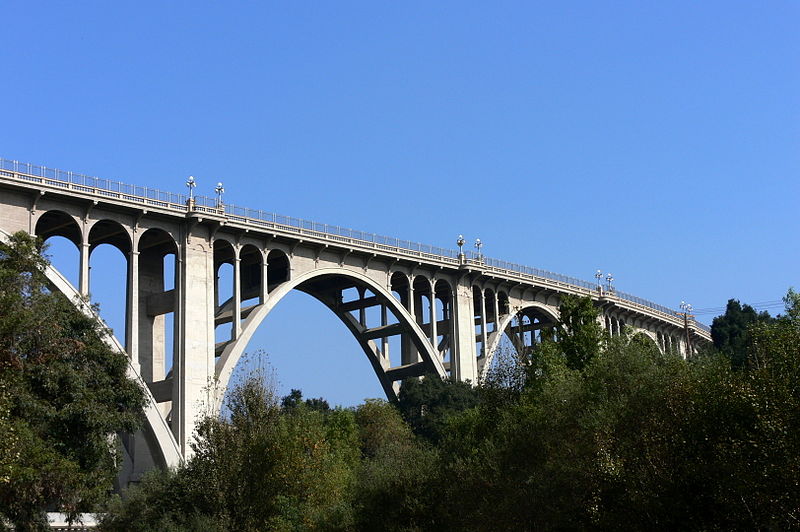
263, 467
397, 477
579, 334
427, 403
729, 332
63, 392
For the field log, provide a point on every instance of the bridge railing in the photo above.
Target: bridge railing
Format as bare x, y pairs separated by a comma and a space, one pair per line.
180, 202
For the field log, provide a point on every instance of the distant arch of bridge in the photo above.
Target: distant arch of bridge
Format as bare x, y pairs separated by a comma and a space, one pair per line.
414, 309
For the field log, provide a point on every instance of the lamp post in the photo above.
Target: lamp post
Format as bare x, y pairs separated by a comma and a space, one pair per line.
220, 191
599, 275
478, 246
190, 184
687, 309
609, 281
460, 243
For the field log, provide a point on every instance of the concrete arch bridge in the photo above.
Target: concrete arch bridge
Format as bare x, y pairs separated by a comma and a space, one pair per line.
413, 309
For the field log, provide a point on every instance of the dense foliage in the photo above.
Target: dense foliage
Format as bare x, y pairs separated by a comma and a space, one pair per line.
587, 433
63, 394
730, 332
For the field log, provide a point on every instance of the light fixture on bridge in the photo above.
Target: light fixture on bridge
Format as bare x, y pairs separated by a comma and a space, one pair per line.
599, 276
609, 281
190, 183
460, 243
220, 191
478, 246
686, 307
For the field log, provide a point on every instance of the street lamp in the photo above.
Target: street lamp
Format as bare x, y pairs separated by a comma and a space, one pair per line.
190, 183
599, 275
460, 244
478, 246
609, 280
220, 191
687, 309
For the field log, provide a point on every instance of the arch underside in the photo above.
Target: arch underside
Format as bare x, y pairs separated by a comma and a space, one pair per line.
328, 286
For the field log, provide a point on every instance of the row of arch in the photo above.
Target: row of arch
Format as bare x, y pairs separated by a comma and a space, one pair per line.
254, 273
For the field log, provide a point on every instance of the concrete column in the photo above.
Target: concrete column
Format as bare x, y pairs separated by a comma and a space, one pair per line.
151, 333
262, 298
194, 365
411, 296
434, 332
484, 334
496, 312
409, 353
384, 340
132, 310
236, 328
362, 312
83, 279
463, 357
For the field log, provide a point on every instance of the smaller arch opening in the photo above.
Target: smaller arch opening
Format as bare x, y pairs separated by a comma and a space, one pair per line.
251, 272
59, 223
278, 268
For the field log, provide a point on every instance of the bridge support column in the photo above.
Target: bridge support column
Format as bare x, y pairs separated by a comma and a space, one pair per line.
463, 358
409, 353
262, 298
236, 329
83, 279
385, 339
132, 311
434, 317
484, 333
193, 369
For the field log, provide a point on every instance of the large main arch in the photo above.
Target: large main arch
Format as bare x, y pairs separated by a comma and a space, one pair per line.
326, 285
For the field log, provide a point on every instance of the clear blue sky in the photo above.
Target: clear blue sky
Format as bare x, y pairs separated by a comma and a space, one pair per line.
655, 140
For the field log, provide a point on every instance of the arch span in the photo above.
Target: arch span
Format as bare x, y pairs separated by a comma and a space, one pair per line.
313, 283
550, 314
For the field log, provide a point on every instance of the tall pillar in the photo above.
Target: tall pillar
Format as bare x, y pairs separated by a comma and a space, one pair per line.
194, 365
434, 332
151, 333
83, 279
132, 310
385, 339
463, 358
236, 328
362, 312
496, 312
262, 298
409, 353
484, 334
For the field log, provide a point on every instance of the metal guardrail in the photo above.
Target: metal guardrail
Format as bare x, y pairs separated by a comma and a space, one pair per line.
180, 202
